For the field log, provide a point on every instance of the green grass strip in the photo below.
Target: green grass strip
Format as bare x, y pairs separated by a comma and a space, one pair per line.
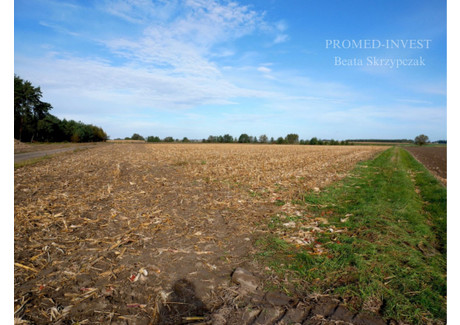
391, 255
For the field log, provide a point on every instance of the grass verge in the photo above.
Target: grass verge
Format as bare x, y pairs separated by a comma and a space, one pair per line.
31, 162
381, 244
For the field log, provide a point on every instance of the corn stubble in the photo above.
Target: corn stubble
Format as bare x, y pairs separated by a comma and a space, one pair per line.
101, 235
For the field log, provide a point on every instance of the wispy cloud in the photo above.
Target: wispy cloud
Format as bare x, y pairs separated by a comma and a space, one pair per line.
214, 63
58, 28
170, 65
153, 88
264, 69
281, 38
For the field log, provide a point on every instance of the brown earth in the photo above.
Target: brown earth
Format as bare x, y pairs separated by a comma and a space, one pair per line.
434, 159
145, 234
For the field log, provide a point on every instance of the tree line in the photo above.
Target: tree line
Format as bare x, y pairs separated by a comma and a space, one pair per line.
290, 138
33, 122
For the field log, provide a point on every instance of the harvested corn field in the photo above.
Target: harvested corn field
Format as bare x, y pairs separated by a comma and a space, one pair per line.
110, 234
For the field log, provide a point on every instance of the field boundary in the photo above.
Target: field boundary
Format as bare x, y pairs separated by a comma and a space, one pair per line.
381, 229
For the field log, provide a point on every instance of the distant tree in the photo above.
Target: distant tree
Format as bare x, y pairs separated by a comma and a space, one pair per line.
314, 141
244, 138
153, 139
185, 139
272, 140
421, 139
280, 140
168, 139
263, 138
292, 138
136, 136
227, 138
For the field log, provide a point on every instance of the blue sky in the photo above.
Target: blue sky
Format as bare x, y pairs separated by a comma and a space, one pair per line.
200, 67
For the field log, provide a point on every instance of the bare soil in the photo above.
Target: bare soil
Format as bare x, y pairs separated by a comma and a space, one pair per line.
434, 159
117, 233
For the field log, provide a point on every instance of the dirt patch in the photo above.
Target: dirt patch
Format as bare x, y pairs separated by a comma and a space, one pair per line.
433, 158
115, 234
20, 146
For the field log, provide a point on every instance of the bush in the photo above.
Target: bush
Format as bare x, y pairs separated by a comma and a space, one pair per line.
421, 139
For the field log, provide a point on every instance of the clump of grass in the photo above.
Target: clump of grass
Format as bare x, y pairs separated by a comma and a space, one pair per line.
391, 256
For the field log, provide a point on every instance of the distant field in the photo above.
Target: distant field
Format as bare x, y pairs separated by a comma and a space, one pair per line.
125, 141
381, 143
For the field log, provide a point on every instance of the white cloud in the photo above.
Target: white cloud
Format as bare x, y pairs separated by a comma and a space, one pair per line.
264, 69
185, 46
281, 26
139, 11
75, 78
281, 38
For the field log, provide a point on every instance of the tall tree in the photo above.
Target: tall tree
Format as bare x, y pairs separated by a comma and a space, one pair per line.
28, 108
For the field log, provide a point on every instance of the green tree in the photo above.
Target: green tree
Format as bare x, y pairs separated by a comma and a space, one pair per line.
228, 138
280, 140
244, 138
28, 109
421, 139
153, 139
168, 139
314, 141
292, 138
136, 136
49, 129
263, 138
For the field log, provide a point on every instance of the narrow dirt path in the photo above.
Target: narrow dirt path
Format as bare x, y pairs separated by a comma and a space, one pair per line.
27, 151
